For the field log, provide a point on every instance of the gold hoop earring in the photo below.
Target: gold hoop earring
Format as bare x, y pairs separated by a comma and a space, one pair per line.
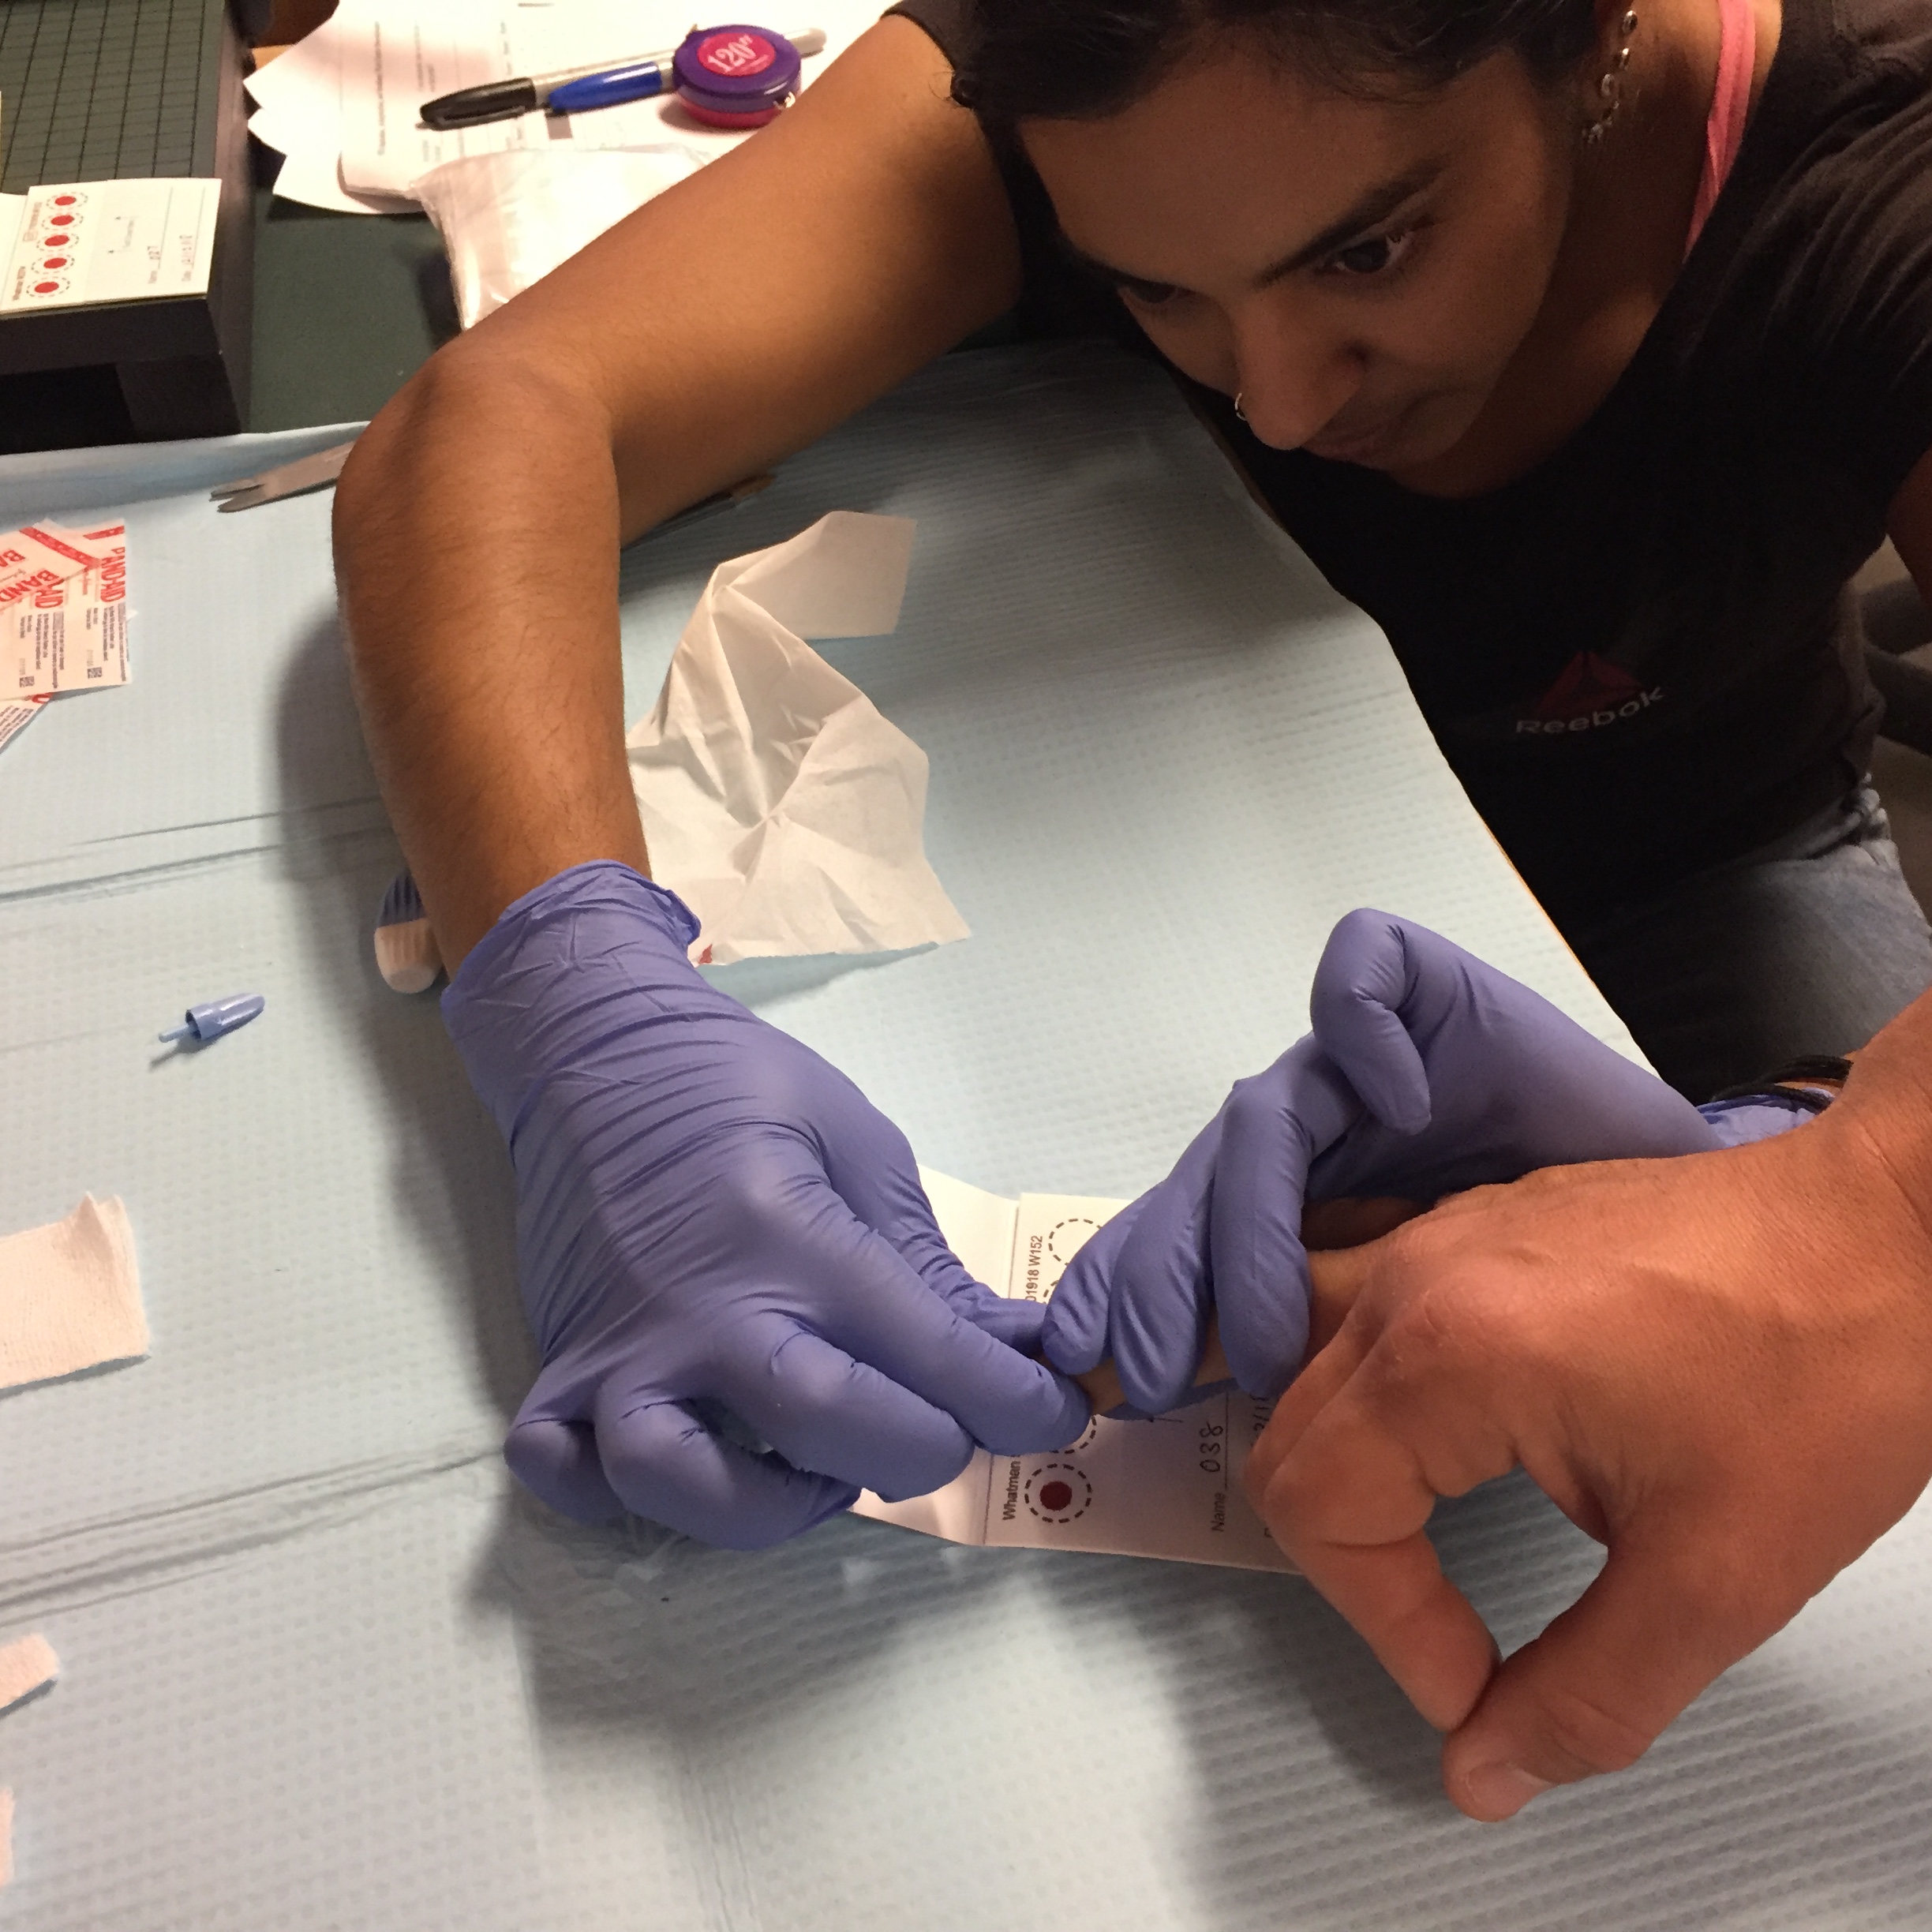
1611, 86
1238, 410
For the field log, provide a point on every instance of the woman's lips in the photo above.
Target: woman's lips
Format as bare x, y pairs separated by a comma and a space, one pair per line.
1365, 445
1358, 446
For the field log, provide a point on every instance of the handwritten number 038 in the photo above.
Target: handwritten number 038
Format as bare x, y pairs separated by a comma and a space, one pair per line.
1210, 1449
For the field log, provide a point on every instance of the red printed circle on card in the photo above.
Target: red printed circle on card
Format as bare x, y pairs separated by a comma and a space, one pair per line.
735, 53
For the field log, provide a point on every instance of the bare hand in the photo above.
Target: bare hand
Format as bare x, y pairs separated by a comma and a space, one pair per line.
1719, 1366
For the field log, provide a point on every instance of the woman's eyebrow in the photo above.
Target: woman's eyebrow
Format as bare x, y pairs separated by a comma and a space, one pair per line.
1374, 206
1090, 264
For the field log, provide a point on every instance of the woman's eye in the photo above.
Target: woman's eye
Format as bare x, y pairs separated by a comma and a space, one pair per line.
1149, 294
1373, 257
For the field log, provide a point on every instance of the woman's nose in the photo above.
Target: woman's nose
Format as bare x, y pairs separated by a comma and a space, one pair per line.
1291, 386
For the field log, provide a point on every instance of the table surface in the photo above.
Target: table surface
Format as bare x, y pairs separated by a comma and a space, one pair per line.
325, 1667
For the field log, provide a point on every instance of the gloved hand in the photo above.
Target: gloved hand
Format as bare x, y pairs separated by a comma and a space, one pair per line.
715, 1227
1427, 1073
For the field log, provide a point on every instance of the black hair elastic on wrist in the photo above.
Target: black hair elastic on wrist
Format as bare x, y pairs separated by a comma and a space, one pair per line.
1791, 1082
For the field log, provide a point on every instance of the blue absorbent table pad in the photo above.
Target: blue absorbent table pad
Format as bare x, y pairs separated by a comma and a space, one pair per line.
323, 1667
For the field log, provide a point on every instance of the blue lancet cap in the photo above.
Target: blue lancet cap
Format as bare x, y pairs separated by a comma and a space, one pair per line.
218, 1016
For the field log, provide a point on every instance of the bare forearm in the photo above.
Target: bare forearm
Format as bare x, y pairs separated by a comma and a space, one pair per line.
724, 324
477, 543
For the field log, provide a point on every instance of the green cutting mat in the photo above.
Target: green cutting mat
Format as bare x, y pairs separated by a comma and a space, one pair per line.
102, 90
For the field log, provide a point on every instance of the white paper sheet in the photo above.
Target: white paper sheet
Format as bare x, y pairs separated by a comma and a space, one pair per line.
777, 801
314, 178
349, 93
1167, 1488
299, 115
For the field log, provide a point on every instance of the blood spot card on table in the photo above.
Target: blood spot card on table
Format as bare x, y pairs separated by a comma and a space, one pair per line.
1168, 1488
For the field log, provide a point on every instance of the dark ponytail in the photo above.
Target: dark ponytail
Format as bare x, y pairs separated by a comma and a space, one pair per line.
1077, 59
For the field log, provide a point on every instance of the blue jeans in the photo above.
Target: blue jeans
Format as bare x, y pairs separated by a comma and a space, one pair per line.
1806, 946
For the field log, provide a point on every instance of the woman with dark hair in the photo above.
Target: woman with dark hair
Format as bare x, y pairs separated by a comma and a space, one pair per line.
1588, 346
1592, 382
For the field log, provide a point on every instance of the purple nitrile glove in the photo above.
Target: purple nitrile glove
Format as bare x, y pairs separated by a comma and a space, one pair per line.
1426, 1073
1758, 1116
709, 1218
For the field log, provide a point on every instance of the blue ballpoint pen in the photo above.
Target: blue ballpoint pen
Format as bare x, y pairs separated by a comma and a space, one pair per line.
639, 80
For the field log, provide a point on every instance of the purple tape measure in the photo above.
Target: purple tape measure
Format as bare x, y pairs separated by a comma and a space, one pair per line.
735, 76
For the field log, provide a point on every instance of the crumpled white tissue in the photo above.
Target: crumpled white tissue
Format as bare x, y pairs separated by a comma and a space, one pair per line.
778, 803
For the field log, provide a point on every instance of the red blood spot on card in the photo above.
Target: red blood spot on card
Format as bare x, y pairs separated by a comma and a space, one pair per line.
1055, 1496
60, 221
65, 201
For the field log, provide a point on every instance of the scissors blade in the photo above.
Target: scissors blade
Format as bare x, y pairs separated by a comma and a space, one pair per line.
289, 479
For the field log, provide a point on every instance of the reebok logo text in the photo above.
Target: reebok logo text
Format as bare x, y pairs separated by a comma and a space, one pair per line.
1591, 693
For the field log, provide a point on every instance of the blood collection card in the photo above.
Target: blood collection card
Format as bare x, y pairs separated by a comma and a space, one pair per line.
111, 242
1168, 1488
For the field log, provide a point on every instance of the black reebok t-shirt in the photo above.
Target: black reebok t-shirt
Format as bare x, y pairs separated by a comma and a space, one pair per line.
1639, 657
